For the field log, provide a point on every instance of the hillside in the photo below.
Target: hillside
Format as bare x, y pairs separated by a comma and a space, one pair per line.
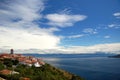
25, 72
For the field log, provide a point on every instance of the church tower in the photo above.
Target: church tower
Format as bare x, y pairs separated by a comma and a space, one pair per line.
11, 51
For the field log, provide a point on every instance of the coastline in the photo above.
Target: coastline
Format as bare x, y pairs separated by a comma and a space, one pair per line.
43, 72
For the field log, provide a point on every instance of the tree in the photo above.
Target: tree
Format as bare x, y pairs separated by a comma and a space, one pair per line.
8, 62
15, 62
1, 66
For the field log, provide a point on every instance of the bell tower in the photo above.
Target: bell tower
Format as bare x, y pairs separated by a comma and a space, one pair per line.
11, 51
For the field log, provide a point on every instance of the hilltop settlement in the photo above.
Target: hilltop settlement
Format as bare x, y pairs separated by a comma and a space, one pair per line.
18, 67
26, 60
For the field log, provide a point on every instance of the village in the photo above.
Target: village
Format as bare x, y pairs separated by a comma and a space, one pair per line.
24, 60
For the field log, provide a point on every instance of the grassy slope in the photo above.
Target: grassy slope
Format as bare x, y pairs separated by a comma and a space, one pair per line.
46, 72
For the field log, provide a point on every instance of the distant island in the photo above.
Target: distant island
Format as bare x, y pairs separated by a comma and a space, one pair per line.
115, 56
19, 67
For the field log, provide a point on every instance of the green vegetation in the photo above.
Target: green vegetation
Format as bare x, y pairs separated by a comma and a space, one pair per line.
10, 62
46, 72
1, 66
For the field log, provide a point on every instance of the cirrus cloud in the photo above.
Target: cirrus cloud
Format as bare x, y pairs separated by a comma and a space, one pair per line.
76, 36
90, 31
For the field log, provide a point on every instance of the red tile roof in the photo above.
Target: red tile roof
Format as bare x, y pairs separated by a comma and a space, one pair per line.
25, 79
5, 72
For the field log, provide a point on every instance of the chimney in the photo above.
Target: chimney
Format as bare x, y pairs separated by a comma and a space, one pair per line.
11, 51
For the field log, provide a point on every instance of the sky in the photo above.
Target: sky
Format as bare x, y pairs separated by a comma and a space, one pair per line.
60, 26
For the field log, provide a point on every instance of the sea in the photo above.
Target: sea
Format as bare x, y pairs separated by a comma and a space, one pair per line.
89, 66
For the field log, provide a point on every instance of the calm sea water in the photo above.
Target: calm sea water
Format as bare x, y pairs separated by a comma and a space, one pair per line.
90, 67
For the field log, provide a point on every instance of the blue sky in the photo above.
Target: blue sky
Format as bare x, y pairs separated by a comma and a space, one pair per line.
99, 15
64, 26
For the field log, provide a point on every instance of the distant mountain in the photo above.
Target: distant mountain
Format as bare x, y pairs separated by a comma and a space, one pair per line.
98, 54
115, 56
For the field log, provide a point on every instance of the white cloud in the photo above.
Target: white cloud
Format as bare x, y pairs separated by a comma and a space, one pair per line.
25, 10
107, 36
64, 20
117, 15
116, 26
27, 38
76, 36
111, 25
105, 48
18, 30
90, 31
65, 11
